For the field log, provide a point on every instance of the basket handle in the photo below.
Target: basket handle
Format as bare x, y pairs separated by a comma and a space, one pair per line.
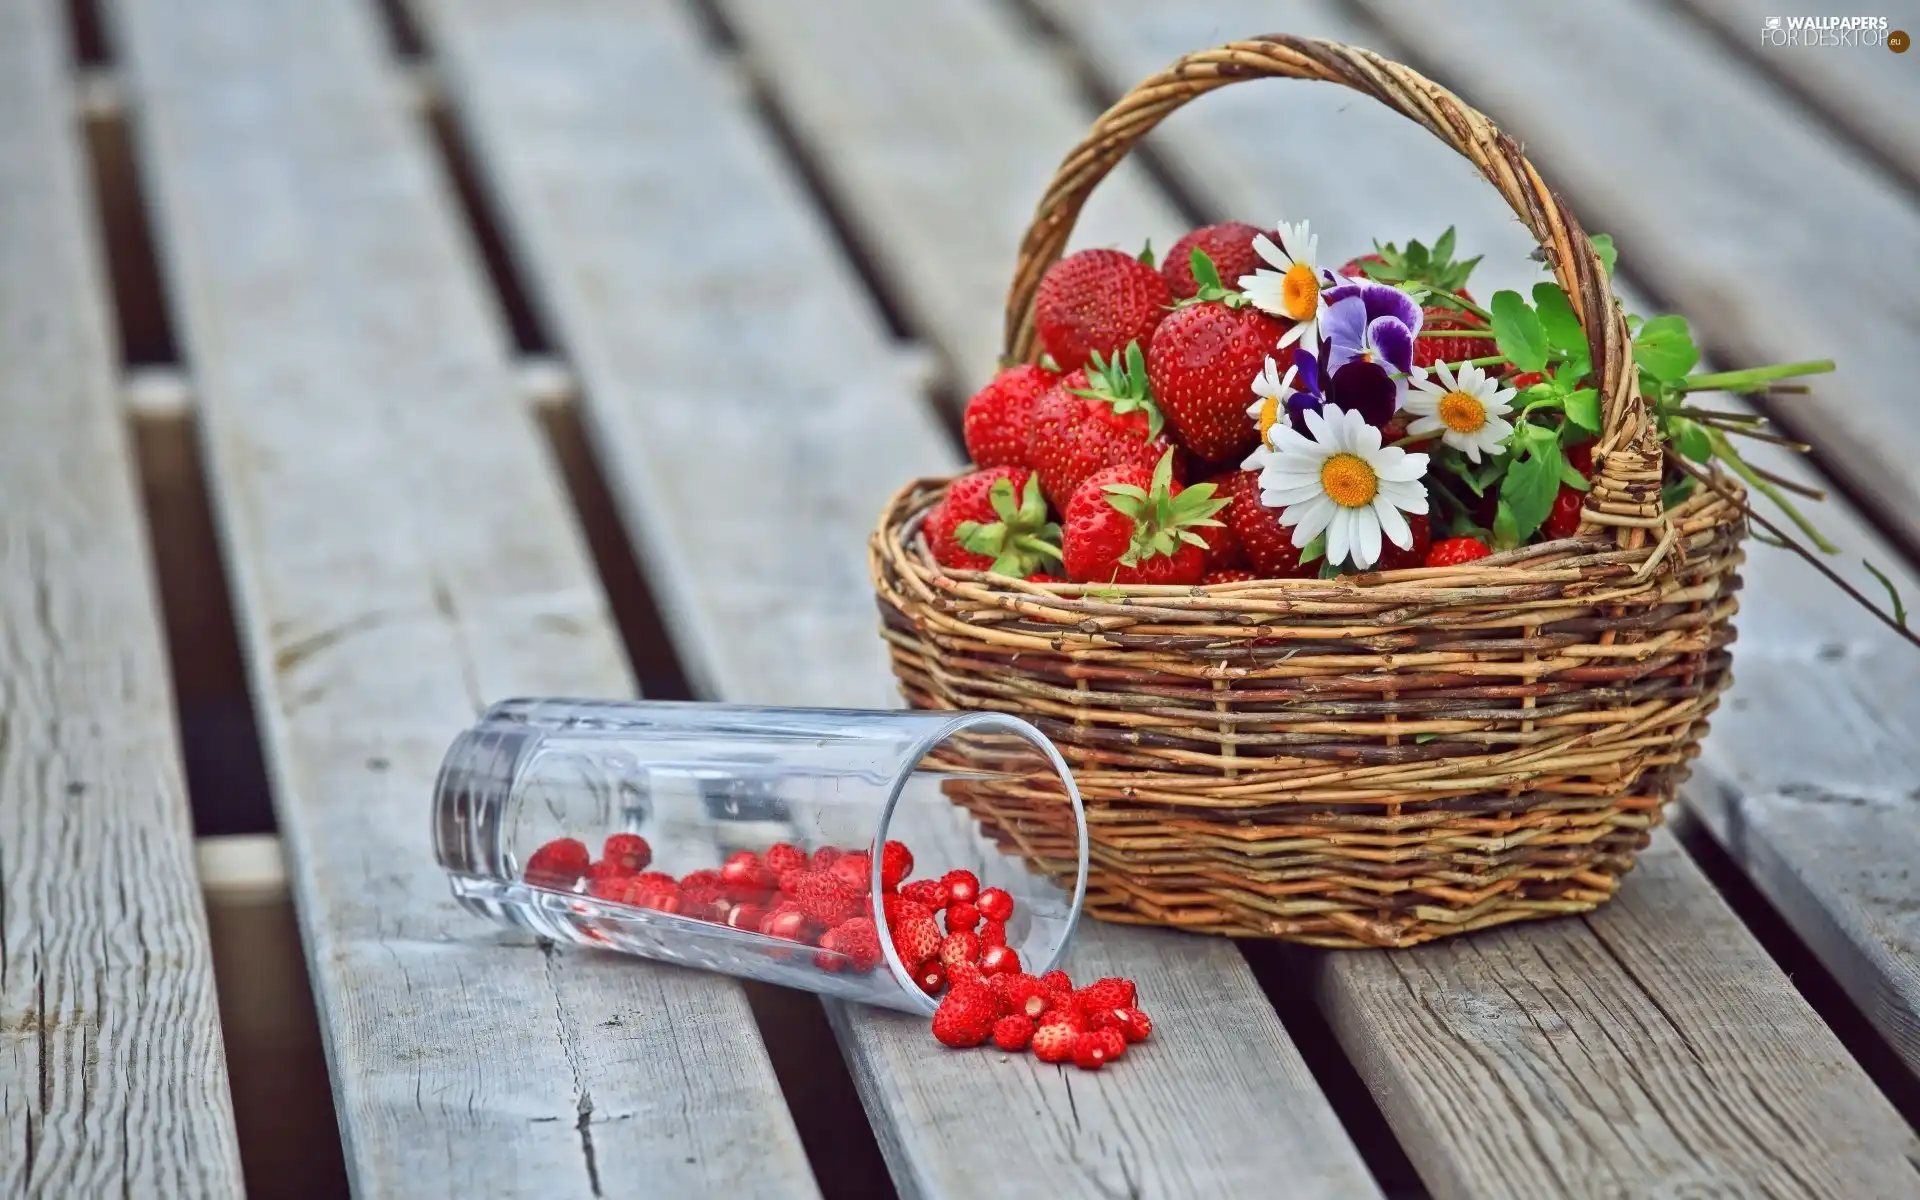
1626, 490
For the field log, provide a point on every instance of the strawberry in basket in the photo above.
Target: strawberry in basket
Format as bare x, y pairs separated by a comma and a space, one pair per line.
1103, 416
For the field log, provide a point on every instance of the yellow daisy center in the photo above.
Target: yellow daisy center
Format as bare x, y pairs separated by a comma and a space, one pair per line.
1300, 292
1269, 417
1349, 481
1461, 412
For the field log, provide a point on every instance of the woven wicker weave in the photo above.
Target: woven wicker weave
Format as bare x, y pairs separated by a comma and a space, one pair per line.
1376, 760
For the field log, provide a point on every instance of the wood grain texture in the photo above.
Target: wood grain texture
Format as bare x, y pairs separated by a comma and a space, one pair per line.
112, 1075
403, 555
1871, 91
753, 463
1724, 196
1792, 620
936, 125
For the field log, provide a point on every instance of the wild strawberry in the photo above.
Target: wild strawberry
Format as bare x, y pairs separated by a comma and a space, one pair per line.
1393, 558
1451, 552
1106, 994
860, 942
1201, 365
962, 917
1097, 1048
1013, 1032
962, 886
781, 858
854, 870
1054, 1043
629, 851
558, 864
746, 916
792, 925
995, 904
900, 910
1062, 1011
1125, 525
999, 960
1097, 300
1057, 981
1103, 416
1563, 520
607, 887
1267, 543
930, 977
960, 947
743, 875
824, 898
830, 958
997, 418
823, 858
606, 869
930, 892
1133, 1024
661, 901
1235, 576
916, 941
992, 933
1228, 245
965, 1016
700, 891
790, 880
993, 520
965, 972
1019, 993
896, 863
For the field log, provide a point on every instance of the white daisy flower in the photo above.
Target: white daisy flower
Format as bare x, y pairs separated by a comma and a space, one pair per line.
1295, 288
1468, 411
1342, 482
1271, 407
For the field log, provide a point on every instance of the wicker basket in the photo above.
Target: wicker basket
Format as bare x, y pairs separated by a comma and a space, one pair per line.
1376, 760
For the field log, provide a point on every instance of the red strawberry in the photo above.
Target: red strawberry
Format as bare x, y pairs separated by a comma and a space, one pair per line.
1043, 577
998, 416
1096, 1049
1201, 365
962, 916
1013, 1032
606, 869
700, 890
1230, 246
1133, 1024
1525, 380
1054, 1043
629, 851
558, 864
790, 880
854, 870
1581, 458
824, 898
743, 875
1097, 300
1106, 994
607, 887
992, 933
930, 977
1393, 558
859, 941
916, 941
1224, 552
963, 887
824, 857
1355, 268
995, 904
781, 858
900, 910
1057, 981
746, 916
960, 947
1020, 993
896, 863
999, 960
993, 520
930, 892
1267, 543
1102, 416
1451, 552
1435, 345
1564, 518
965, 1017
1063, 1012
1435, 270
792, 925
1126, 525
965, 972
1233, 576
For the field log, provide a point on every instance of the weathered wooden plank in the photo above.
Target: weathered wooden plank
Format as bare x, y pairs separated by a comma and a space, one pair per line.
753, 420
1726, 199
403, 554
1870, 90
1231, 149
112, 1076
936, 126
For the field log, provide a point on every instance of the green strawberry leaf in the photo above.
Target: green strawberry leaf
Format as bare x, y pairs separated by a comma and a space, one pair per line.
1603, 247
1204, 272
1533, 478
1689, 438
1673, 493
1571, 476
1664, 349
1557, 318
1518, 333
1443, 247
1314, 550
1583, 409
1146, 253
1506, 530
1331, 570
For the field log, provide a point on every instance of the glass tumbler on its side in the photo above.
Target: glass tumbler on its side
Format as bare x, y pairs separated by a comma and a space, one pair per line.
728, 799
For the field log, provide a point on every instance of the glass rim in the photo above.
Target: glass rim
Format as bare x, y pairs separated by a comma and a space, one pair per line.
960, 723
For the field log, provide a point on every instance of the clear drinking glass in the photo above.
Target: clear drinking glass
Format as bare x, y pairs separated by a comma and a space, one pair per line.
702, 783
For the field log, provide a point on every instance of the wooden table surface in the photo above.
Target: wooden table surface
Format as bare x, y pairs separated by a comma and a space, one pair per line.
571, 346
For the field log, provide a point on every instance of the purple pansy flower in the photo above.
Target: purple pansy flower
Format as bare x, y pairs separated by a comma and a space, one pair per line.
1369, 331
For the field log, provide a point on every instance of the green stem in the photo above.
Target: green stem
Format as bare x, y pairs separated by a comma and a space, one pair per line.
1486, 361
1449, 300
1750, 379
1723, 450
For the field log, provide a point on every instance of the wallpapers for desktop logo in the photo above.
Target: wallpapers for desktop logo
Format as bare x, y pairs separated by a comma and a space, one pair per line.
1832, 31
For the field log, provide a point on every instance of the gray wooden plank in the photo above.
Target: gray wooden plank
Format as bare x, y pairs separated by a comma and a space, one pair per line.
1791, 619
755, 466
937, 125
403, 554
1872, 91
1726, 199
113, 1079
